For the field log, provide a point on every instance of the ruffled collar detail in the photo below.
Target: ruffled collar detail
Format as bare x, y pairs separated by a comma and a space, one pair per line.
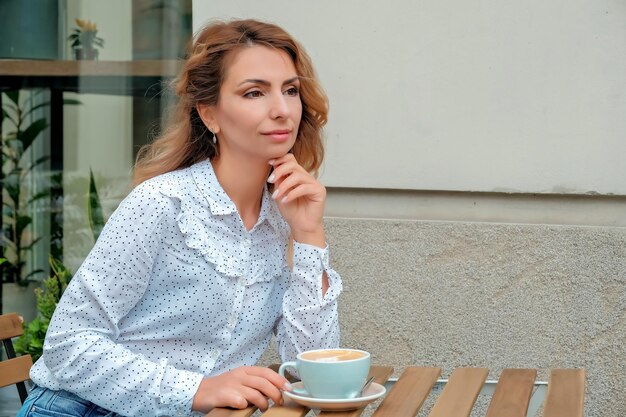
202, 199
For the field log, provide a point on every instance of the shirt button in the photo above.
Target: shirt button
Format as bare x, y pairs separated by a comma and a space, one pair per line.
247, 242
232, 320
215, 353
241, 281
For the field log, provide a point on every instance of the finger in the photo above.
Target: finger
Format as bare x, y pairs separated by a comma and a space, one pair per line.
292, 181
234, 400
281, 172
303, 190
284, 167
283, 159
265, 387
255, 397
274, 377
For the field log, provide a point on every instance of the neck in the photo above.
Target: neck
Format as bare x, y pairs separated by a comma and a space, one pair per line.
243, 181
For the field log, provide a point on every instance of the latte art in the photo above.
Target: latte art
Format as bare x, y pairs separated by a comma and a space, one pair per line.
336, 373
333, 355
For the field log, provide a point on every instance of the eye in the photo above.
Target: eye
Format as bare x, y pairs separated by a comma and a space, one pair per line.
292, 91
253, 94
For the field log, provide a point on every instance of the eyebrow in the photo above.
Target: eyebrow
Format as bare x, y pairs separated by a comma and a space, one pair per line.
267, 83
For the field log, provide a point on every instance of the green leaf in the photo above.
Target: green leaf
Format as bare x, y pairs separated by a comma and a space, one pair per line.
34, 108
32, 131
38, 196
94, 208
71, 101
32, 273
6, 115
13, 107
58, 267
12, 185
14, 96
34, 326
8, 243
23, 222
37, 343
30, 246
39, 161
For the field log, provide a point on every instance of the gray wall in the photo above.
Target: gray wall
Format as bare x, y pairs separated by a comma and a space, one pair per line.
513, 96
453, 294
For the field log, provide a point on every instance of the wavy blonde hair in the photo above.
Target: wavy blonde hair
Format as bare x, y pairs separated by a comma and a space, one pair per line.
186, 140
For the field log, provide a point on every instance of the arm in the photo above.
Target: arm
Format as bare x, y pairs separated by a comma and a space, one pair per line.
80, 348
309, 319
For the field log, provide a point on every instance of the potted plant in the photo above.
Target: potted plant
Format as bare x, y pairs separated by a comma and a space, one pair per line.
24, 190
85, 41
48, 296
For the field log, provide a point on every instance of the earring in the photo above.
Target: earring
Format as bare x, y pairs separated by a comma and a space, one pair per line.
214, 137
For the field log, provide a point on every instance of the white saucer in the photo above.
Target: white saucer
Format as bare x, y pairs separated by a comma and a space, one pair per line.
373, 392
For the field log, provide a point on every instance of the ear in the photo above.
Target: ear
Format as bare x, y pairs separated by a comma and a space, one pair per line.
206, 113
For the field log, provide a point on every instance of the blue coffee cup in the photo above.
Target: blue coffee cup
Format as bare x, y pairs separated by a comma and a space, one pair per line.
330, 373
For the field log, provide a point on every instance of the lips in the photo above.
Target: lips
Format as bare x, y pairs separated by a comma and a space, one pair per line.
278, 135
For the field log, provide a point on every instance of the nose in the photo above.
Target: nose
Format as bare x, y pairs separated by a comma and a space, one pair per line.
279, 107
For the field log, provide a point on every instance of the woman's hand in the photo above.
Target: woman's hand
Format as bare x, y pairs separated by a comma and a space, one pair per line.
300, 198
239, 388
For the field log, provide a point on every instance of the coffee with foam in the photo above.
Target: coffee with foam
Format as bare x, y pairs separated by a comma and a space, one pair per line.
333, 355
335, 373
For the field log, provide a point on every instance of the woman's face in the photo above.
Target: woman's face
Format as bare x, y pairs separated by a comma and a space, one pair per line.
259, 109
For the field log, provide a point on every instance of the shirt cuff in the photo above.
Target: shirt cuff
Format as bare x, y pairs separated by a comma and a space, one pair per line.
181, 386
310, 262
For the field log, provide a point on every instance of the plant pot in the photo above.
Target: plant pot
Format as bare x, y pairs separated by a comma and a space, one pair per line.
20, 300
81, 54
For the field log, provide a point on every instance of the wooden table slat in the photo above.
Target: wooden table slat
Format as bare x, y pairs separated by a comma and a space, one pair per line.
228, 412
459, 395
564, 398
288, 409
566, 392
407, 396
513, 393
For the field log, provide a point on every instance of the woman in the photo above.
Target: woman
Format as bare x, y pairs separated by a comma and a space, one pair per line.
189, 279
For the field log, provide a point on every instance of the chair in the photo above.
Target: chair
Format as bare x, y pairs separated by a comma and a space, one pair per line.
14, 370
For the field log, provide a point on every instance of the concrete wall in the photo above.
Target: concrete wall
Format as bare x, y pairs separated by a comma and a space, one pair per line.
453, 294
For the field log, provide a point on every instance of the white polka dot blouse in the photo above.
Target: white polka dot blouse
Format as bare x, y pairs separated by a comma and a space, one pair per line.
176, 289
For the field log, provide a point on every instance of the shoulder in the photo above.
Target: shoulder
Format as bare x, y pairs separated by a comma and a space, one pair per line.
161, 194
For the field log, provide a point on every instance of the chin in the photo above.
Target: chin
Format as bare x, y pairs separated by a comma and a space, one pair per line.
276, 155
281, 151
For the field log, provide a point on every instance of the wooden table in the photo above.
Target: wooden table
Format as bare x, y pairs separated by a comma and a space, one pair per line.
406, 395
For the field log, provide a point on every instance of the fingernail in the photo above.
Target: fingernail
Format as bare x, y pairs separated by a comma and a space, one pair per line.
271, 178
275, 194
284, 199
271, 161
288, 386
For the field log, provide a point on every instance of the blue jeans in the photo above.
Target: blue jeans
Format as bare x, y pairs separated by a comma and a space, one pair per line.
44, 402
